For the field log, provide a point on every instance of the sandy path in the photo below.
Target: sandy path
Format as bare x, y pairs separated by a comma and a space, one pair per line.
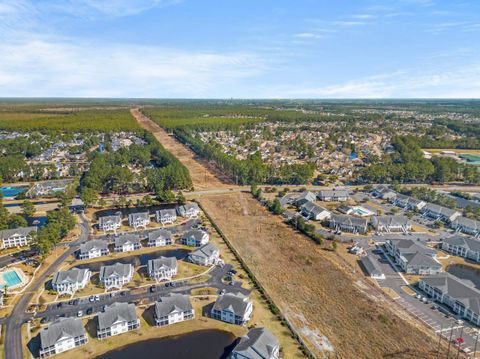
204, 175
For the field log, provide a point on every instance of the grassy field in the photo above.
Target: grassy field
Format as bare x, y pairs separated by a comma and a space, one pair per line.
85, 120
331, 307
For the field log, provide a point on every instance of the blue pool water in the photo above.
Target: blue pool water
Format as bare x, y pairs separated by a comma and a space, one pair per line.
8, 191
11, 278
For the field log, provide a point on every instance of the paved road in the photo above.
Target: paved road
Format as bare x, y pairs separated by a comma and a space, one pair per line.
13, 336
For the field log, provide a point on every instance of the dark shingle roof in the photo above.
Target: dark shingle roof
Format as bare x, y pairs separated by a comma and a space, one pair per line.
116, 312
234, 302
73, 275
94, 244
259, 343
7, 233
162, 263
61, 328
172, 303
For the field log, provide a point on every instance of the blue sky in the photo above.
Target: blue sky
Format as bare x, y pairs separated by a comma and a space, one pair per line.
240, 48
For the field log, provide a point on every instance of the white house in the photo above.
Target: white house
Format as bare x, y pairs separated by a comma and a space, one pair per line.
93, 249
62, 335
384, 192
69, 281
110, 223
388, 224
163, 268
139, 219
127, 243
458, 294
466, 225
116, 275
348, 223
173, 308
370, 268
206, 255
412, 257
234, 308
166, 216
437, 212
195, 238
303, 198
463, 246
189, 210
333, 195
407, 202
117, 318
159, 238
17, 237
313, 211
258, 343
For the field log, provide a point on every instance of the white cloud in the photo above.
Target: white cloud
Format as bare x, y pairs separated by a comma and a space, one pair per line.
308, 35
47, 68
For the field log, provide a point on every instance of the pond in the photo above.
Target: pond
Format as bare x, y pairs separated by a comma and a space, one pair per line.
136, 259
465, 272
205, 344
12, 191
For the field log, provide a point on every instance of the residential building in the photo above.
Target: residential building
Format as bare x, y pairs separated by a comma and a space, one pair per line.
459, 295
127, 243
206, 255
110, 223
436, 212
304, 197
163, 268
166, 216
388, 224
343, 208
159, 238
466, 225
189, 210
173, 308
407, 202
289, 198
348, 224
384, 192
335, 195
47, 188
69, 281
17, 237
195, 238
412, 257
258, 343
116, 275
93, 249
463, 246
313, 211
61, 335
370, 267
116, 319
139, 219
234, 308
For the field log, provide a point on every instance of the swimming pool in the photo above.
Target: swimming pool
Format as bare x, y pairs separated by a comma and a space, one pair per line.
11, 279
12, 191
362, 212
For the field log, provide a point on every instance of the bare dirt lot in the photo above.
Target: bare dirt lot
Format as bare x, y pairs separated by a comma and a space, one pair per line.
204, 175
332, 308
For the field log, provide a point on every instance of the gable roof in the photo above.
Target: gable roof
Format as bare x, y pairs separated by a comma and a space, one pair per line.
205, 251
73, 275
233, 302
334, 193
348, 220
96, 244
159, 234
172, 303
370, 266
115, 270
165, 212
138, 215
259, 343
61, 328
22, 231
466, 242
116, 218
435, 208
306, 196
116, 312
313, 208
389, 221
407, 199
197, 234
461, 290
126, 239
162, 263
466, 222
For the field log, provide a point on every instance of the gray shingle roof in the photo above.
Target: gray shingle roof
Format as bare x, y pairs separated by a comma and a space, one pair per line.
116, 312
188, 206
172, 303
305, 196
313, 208
166, 212
197, 234
234, 302
110, 219
162, 263
389, 221
7, 233
349, 220
159, 234
461, 290
138, 215
61, 328
466, 242
115, 270
126, 239
94, 244
407, 199
73, 275
259, 343
334, 193
205, 251
370, 266
435, 208
467, 222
